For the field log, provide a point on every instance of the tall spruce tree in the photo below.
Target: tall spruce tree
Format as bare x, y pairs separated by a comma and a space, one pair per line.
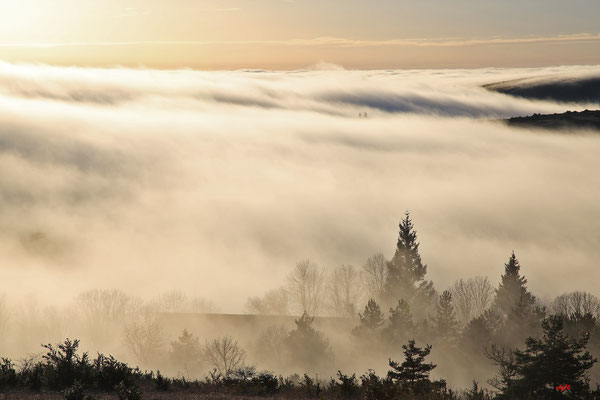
406, 272
512, 291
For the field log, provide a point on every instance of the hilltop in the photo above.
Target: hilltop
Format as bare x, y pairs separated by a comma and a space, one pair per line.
588, 119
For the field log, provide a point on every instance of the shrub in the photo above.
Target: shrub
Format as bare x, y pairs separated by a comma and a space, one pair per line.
266, 383
128, 391
162, 383
31, 375
376, 388
109, 372
311, 387
64, 366
74, 392
8, 374
347, 387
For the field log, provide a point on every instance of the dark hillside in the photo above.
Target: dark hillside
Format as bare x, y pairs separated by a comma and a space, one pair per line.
582, 90
571, 119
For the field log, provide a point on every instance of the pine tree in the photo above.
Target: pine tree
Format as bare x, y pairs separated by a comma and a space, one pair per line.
522, 321
414, 369
307, 348
185, 352
555, 359
370, 320
406, 271
400, 324
512, 289
445, 322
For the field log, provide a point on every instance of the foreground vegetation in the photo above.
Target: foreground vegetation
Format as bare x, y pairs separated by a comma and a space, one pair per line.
504, 337
548, 368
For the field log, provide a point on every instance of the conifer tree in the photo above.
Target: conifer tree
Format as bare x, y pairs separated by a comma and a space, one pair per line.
523, 320
406, 271
307, 348
546, 363
512, 289
400, 324
414, 368
370, 320
186, 351
445, 322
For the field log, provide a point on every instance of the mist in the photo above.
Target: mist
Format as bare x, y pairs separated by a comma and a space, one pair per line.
215, 184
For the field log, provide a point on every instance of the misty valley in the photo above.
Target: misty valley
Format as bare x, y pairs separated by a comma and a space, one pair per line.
243, 234
430, 341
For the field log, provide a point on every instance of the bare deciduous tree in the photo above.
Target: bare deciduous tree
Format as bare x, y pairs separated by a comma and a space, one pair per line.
223, 354
176, 301
202, 305
306, 287
374, 275
103, 311
144, 336
471, 297
270, 346
172, 301
273, 302
106, 305
344, 291
504, 359
577, 304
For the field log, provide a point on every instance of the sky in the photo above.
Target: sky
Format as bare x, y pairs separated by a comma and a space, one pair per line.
293, 34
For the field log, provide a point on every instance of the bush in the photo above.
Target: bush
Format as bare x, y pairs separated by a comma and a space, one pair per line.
311, 387
8, 374
347, 387
266, 384
376, 388
74, 392
246, 380
162, 383
109, 372
128, 391
64, 366
31, 375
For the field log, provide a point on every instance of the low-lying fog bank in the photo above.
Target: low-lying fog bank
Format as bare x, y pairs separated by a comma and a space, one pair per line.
217, 183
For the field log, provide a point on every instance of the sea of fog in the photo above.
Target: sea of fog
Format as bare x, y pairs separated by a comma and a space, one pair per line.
217, 183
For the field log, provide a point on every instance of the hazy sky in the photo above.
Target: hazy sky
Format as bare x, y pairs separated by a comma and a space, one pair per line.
284, 34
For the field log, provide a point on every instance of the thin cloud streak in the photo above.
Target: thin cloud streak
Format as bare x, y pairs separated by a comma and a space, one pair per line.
330, 41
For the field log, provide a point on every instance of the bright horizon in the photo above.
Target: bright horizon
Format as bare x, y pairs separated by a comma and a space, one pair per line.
284, 35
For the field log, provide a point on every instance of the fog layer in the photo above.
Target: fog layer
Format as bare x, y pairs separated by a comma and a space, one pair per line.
216, 183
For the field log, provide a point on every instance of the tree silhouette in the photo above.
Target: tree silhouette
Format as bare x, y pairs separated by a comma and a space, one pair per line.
306, 286
374, 275
400, 324
344, 291
307, 347
553, 360
412, 376
512, 289
186, 351
223, 354
445, 322
406, 271
370, 320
